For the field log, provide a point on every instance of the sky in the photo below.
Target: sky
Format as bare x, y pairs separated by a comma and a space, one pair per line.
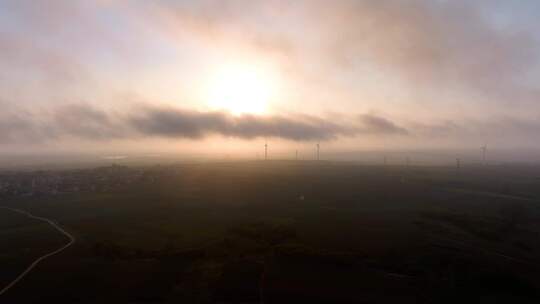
150, 76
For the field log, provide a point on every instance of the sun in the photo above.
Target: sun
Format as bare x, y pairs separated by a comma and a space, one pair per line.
240, 89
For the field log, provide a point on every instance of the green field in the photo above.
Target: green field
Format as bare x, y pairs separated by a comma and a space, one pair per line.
287, 232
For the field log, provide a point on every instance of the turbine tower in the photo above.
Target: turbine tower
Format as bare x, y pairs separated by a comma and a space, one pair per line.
458, 163
318, 151
296, 155
484, 151
265, 149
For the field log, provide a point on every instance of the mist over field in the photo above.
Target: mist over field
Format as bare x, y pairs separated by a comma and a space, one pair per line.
269, 151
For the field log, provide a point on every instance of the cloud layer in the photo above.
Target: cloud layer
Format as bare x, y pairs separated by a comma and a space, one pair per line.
443, 42
90, 123
450, 45
83, 122
440, 71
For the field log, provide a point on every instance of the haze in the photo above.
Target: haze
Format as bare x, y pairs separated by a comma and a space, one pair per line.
219, 77
276, 151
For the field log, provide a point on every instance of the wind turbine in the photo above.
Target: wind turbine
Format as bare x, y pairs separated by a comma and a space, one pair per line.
484, 151
318, 151
265, 149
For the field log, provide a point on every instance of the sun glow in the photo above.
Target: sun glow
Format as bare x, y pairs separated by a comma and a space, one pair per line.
241, 89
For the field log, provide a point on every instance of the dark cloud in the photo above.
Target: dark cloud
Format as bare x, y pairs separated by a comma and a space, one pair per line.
295, 128
379, 125
178, 123
13, 128
89, 123
193, 124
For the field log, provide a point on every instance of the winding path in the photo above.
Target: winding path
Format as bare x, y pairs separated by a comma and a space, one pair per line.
38, 260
